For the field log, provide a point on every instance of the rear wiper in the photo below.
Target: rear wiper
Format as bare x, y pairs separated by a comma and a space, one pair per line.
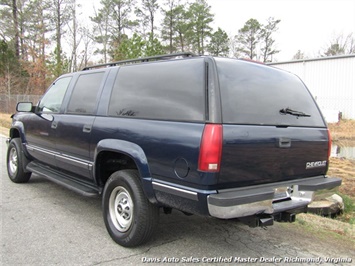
293, 112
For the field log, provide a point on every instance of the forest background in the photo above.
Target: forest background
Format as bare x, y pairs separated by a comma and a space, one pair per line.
42, 39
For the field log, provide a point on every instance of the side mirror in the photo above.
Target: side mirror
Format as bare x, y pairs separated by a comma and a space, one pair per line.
24, 107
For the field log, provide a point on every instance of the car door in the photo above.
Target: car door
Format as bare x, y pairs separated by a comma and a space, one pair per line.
73, 128
40, 126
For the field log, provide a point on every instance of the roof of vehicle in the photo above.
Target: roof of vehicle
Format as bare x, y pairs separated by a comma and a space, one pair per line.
143, 59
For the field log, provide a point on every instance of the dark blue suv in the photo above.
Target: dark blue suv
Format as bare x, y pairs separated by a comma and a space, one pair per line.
212, 136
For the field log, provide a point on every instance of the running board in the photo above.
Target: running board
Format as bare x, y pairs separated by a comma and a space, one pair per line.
64, 180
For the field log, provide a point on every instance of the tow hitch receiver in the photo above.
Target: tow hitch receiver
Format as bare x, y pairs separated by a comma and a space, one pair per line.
256, 221
285, 217
268, 220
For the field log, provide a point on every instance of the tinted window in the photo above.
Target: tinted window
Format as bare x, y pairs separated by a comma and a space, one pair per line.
255, 94
84, 96
52, 100
171, 90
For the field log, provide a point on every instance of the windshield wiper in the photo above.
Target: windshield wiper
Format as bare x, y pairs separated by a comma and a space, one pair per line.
293, 112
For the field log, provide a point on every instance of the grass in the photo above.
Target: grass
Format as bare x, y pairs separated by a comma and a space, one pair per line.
323, 227
5, 123
349, 209
5, 120
344, 130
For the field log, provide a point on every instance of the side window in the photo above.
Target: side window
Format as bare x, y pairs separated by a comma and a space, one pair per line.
173, 90
52, 100
83, 99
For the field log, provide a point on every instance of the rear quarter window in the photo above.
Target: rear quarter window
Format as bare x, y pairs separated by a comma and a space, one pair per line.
254, 94
172, 90
84, 97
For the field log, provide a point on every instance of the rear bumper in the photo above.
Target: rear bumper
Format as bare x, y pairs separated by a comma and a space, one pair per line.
267, 199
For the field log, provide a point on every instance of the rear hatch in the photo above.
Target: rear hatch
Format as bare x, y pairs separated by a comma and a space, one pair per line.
272, 128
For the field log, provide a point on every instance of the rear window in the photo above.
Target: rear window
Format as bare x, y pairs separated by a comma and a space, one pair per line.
254, 94
171, 90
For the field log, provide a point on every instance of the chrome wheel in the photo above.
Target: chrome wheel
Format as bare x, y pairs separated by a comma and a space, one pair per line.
13, 161
121, 209
129, 217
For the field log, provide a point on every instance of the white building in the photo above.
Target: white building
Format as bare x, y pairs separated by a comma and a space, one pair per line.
331, 81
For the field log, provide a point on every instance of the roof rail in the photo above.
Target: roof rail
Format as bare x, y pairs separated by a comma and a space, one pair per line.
143, 59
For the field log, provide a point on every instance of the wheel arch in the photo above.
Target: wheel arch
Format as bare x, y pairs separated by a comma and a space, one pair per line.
17, 130
112, 155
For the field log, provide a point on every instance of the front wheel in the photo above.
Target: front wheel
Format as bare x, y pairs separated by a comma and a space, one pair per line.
129, 217
15, 167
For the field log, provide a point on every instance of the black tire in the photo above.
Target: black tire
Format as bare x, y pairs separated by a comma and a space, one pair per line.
15, 167
129, 217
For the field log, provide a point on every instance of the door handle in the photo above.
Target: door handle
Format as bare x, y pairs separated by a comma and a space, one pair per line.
54, 125
87, 128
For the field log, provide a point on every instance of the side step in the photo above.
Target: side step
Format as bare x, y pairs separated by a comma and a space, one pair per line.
64, 180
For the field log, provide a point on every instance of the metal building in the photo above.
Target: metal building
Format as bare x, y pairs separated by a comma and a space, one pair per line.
331, 80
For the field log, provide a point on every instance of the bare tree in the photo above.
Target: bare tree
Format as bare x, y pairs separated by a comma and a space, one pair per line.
62, 15
340, 45
267, 42
147, 14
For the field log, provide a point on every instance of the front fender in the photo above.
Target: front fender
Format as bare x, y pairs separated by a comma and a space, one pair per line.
138, 156
17, 130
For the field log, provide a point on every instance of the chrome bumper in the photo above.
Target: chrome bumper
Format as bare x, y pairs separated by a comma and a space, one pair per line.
267, 199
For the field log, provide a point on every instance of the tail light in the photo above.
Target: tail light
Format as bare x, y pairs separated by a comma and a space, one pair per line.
329, 143
211, 148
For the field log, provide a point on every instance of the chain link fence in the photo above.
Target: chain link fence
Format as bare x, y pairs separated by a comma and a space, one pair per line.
8, 102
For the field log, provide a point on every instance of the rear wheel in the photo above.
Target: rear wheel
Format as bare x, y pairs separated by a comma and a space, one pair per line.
129, 217
15, 167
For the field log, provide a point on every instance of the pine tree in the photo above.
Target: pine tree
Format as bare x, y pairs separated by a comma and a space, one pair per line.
248, 37
219, 44
200, 18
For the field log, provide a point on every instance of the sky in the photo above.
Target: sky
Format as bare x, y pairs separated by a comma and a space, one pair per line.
306, 25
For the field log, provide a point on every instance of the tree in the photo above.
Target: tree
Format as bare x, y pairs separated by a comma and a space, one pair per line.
248, 37
62, 15
101, 31
147, 15
11, 26
121, 21
110, 23
136, 47
340, 45
73, 28
299, 55
169, 32
219, 44
85, 54
267, 42
153, 47
37, 26
200, 18
11, 76
17, 34
181, 28
130, 48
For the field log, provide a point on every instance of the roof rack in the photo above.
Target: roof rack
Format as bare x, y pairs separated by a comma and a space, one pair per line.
143, 59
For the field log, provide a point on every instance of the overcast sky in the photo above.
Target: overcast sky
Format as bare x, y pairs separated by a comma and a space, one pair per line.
306, 25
